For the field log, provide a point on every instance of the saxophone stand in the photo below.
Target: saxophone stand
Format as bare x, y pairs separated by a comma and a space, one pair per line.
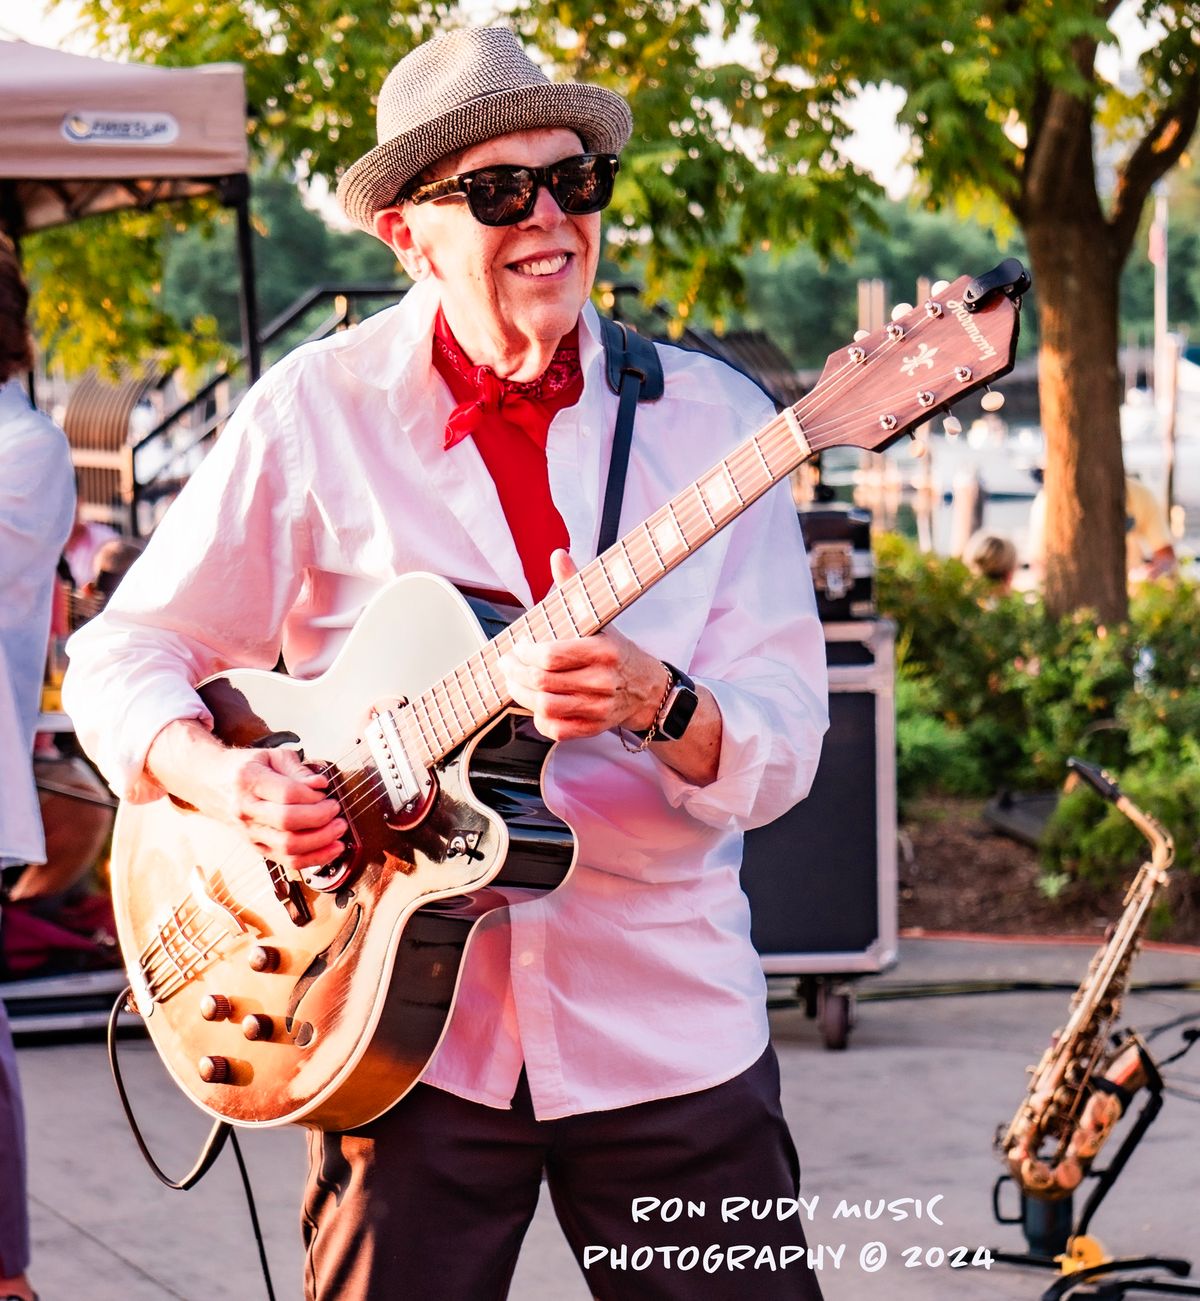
1054, 1244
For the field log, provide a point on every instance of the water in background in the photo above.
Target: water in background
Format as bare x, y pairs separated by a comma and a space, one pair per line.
916, 494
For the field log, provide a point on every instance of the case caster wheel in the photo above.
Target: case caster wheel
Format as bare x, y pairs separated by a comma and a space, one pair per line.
834, 1017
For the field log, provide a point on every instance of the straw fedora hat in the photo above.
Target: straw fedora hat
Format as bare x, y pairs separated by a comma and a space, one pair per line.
459, 89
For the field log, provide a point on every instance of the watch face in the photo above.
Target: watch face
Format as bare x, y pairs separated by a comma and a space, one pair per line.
680, 708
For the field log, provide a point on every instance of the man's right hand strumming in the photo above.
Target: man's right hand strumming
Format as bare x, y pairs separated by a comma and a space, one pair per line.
277, 801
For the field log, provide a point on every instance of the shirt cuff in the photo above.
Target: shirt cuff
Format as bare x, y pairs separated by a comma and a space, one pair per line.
727, 803
126, 765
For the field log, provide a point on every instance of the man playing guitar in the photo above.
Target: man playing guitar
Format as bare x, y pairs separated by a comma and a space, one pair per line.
611, 1035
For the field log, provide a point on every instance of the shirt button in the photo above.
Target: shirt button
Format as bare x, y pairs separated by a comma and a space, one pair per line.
526, 959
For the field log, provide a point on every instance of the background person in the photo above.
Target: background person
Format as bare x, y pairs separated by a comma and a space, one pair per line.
612, 1034
1149, 548
991, 556
37, 503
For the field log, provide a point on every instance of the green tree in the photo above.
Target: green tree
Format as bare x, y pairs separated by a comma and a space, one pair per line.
1002, 97
1005, 106
719, 162
294, 251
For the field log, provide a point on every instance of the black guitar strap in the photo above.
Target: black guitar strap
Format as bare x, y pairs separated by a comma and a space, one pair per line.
634, 372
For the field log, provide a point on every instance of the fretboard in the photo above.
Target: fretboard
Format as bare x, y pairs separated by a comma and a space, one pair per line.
458, 705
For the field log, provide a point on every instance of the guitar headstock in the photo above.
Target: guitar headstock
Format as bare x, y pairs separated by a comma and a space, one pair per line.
876, 390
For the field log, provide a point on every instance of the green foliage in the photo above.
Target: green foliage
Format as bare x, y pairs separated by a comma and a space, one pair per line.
294, 251
929, 752
810, 307
96, 296
992, 693
725, 155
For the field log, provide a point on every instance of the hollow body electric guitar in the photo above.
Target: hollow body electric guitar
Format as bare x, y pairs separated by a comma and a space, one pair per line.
319, 998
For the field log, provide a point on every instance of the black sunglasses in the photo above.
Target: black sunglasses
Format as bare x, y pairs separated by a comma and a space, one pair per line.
503, 195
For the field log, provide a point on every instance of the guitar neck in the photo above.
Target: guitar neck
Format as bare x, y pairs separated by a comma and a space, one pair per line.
868, 396
458, 705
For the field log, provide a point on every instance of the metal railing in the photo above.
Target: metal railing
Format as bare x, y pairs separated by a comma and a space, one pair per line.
165, 456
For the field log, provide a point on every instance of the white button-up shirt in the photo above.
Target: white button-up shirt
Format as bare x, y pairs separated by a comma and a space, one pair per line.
37, 506
635, 979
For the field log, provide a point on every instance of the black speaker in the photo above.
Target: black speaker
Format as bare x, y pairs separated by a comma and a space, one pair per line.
822, 879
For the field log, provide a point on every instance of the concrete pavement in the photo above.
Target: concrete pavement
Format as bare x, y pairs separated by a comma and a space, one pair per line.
907, 1112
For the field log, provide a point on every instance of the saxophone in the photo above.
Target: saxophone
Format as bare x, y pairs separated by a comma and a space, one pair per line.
1082, 1085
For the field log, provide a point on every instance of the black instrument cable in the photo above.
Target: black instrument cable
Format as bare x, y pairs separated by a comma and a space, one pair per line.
220, 1133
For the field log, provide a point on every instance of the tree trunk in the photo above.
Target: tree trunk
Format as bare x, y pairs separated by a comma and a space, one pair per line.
1076, 279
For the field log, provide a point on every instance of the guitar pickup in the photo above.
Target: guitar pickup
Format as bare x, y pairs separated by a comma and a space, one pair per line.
407, 787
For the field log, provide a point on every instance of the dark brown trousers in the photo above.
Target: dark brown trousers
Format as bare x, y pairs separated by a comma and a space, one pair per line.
431, 1201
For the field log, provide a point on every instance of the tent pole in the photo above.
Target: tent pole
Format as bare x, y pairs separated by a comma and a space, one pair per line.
235, 191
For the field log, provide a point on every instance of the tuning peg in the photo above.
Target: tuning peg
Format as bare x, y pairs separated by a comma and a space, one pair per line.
952, 425
939, 287
860, 334
920, 447
991, 400
901, 309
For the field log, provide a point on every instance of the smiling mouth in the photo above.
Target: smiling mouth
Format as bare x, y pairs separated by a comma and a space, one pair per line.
543, 266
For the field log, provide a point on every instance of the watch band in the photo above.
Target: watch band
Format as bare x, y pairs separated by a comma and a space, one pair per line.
675, 713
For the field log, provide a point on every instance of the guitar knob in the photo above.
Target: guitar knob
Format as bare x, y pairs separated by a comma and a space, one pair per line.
264, 958
215, 1007
257, 1026
214, 1070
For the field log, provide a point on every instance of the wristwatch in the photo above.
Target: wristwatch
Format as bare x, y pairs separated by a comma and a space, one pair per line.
675, 713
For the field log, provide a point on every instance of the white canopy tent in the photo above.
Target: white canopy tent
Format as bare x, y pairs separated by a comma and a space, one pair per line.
82, 135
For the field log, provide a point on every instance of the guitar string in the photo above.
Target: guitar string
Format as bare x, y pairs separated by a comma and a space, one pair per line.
698, 514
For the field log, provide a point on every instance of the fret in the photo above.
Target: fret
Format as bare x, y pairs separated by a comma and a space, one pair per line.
566, 605
720, 491
505, 632
608, 582
543, 607
780, 453
670, 542
521, 629
683, 537
415, 745
620, 571
762, 458
658, 554
632, 568
699, 491
470, 677
592, 597
441, 724
747, 469
554, 605
440, 742
733, 483
456, 717
473, 674
487, 669
474, 718
421, 727
581, 611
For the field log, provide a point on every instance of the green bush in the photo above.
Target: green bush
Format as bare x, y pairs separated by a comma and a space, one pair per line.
993, 694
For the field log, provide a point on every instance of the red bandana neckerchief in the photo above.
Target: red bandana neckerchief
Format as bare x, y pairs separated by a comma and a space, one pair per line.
509, 421
484, 398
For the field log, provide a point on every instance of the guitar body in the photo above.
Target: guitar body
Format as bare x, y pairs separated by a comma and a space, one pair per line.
272, 1002
320, 1000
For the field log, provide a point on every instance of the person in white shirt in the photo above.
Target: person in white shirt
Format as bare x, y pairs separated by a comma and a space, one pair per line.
1149, 547
611, 1034
37, 504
